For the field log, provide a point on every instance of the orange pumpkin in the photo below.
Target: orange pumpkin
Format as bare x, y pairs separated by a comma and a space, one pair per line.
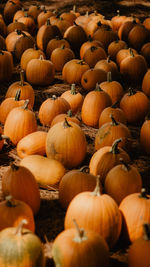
144, 135
68, 116
91, 77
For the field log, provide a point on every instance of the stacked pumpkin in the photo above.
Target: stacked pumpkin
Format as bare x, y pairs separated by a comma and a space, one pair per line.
105, 64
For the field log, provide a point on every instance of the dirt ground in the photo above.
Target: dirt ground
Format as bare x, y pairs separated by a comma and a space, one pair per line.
49, 221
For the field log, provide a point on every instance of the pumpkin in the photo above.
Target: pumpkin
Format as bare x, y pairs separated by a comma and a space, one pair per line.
3, 27
62, 24
75, 182
108, 65
68, 116
135, 212
145, 52
97, 212
91, 77
19, 182
52, 107
27, 91
73, 70
105, 158
133, 68
138, 36
105, 35
6, 66
10, 9
144, 135
93, 54
138, 253
60, 56
76, 36
117, 21
113, 88
23, 247
74, 98
66, 143
125, 28
13, 211
2, 43
32, 144
20, 122
40, 71
47, 172
93, 104
55, 43
89, 43
43, 16
122, 180
34, 11
18, 14
114, 47
111, 131
29, 22
28, 54
45, 33
13, 26
82, 247
68, 16
146, 83
135, 105
123, 53
117, 113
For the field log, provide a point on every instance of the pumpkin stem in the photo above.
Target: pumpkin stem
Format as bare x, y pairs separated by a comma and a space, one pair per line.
14, 167
146, 229
108, 59
93, 48
41, 57
115, 105
143, 194
74, 8
109, 77
99, 24
96, 191
131, 91
147, 116
131, 52
54, 97
66, 124
85, 169
114, 149
20, 227
69, 113
87, 14
81, 62
17, 96
25, 106
1, 52
5, 137
73, 89
80, 233
22, 77
62, 46
98, 88
10, 201
90, 38
118, 12
48, 22
126, 166
26, 15
114, 122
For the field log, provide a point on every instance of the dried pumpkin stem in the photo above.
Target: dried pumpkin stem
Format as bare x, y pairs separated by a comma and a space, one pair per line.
109, 77
125, 165
85, 169
131, 91
143, 194
66, 124
80, 233
14, 167
1, 52
22, 77
114, 149
96, 191
108, 59
131, 52
26, 103
20, 227
69, 113
17, 96
73, 89
114, 122
10, 201
115, 105
146, 229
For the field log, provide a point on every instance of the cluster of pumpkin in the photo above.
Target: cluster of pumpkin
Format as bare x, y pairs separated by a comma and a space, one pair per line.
105, 197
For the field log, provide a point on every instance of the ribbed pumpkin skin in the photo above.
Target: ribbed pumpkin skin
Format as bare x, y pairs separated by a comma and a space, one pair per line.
6, 66
97, 213
91, 251
74, 98
46, 171
91, 77
20, 250
19, 182
135, 210
93, 104
144, 136
40, 72
61, 117
122, 181
66, 143
32, 144
29, 54
14, 213
146, 83
117, 113
73, 183
114, 89
1, 141
19, 123
60, 56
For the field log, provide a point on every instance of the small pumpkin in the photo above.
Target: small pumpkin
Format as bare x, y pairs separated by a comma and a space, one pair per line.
10, 9
66, 143
55, 43
146, 83
6, 65
29, 22
43, 16
32, 144
91, 77
61, 117
144, 135
90, 42
20, 241
108, 65
94, 54
19, 182
60, 56
28, 54
114, 47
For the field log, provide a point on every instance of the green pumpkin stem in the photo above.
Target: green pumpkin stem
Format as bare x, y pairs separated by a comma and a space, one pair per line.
143, 194
115, 105
66, 124
96, 191
22, 77
26, 103
108, 59
48, 22
114, 122
109, 77
73, 89
20, 227
98, 88
93, 48
69, 113
115, 149
17, 96
26, 15
80, 233
131, 52
81, 62
146, 229
85, 169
